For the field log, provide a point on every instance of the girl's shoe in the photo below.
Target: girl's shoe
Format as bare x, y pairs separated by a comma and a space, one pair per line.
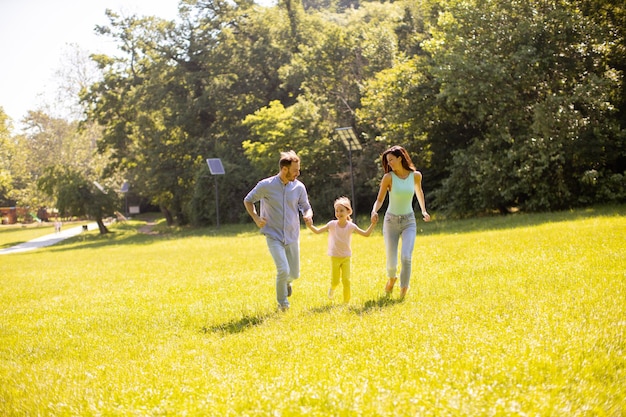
330, 293
390, 284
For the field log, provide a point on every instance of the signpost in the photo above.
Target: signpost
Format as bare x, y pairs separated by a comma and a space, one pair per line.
216, 168
350, 141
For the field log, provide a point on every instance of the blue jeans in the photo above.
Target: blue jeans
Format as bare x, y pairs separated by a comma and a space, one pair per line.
394, 228
287, 261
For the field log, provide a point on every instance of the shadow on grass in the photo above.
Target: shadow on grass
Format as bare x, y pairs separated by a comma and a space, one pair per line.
11, 244
17, 233
376, 304
95, 240
249, 321
241, 325
325, 308
128, 234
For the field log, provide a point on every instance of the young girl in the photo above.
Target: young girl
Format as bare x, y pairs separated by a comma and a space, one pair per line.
339, 249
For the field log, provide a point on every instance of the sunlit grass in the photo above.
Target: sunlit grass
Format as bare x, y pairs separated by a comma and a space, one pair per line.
12, 235
506, 316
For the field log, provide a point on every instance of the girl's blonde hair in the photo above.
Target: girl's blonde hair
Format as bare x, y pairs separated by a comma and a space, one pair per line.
344, 201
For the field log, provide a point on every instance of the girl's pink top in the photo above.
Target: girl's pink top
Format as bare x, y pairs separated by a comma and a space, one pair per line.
339, 239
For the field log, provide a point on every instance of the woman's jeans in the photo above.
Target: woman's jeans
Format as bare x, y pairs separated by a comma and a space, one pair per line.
287, 261
394, 228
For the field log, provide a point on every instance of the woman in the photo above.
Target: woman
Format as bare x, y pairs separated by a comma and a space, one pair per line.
401, 180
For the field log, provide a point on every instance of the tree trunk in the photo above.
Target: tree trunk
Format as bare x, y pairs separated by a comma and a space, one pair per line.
102, 227
168, 216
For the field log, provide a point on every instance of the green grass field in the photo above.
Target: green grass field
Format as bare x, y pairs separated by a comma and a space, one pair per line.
15, 234
11, 235
523, 315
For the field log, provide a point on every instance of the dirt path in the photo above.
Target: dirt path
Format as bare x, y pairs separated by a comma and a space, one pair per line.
147, 228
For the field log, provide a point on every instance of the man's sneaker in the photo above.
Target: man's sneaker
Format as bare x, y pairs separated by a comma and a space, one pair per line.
289, 290
282, 308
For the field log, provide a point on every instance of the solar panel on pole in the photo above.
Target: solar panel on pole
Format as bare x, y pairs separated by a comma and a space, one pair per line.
216, 168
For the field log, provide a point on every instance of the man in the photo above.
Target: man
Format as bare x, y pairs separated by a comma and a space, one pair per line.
282, 197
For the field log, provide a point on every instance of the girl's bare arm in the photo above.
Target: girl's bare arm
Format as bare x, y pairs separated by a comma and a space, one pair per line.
317, 230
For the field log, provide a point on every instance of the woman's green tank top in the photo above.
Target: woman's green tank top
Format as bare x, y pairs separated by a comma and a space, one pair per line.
401, 194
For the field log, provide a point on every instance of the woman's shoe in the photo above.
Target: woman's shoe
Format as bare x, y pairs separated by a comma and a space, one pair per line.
403, 291
390, 284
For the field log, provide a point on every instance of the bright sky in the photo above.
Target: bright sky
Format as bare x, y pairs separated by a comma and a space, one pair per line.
35, 34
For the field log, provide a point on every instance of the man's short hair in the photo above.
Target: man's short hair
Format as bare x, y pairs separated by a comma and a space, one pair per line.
287, 158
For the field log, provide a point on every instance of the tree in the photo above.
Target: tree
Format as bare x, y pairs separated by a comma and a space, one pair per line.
502, 103
275, 128
46, 142
138, 103
75, 195
508, 103
530, 77
74, 75
6, 150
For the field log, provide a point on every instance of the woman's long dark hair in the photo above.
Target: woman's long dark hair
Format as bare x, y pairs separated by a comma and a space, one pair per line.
399, 152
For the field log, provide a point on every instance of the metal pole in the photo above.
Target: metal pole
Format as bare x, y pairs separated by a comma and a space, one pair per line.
217, 204
352, 184
216, 168
349, 139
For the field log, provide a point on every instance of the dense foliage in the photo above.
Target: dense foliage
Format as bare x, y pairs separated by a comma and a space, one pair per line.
6, 150
503, 104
